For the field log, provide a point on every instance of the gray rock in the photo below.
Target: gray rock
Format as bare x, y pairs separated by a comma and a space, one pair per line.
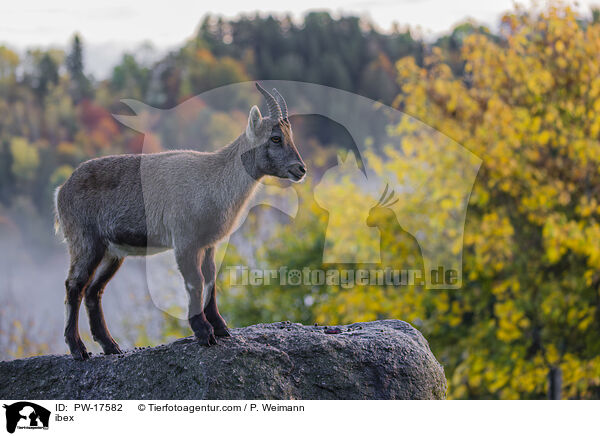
373, 360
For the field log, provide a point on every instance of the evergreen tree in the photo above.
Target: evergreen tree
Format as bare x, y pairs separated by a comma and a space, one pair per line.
80, 86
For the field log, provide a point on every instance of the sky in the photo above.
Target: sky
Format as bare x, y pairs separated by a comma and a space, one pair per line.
110, 27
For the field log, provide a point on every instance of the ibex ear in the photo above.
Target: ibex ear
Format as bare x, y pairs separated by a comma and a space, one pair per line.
254, 120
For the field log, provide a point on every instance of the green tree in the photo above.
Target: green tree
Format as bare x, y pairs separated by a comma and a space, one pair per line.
130, 78
44, 73
80, 86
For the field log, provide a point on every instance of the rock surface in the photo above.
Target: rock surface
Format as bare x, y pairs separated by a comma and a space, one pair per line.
374, 360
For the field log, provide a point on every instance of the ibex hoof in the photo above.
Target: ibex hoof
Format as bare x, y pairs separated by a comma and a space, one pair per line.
222, 332
219, 325
204, 332
212, 340
79, 352
112, 348
207, 339
80, 355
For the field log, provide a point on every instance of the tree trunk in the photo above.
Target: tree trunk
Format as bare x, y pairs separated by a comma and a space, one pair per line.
554, 383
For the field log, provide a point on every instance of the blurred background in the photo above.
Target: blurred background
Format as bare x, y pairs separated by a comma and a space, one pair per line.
518, 86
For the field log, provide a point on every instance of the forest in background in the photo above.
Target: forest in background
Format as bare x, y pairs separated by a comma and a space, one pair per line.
525, 99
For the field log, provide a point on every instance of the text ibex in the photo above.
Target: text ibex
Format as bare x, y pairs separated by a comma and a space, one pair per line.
186, 200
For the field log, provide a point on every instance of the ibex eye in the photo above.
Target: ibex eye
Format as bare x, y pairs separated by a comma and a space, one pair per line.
276, 139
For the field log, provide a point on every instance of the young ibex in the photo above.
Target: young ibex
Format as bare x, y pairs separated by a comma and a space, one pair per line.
187, 201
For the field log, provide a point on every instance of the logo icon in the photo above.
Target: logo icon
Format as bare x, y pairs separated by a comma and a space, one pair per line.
26, 415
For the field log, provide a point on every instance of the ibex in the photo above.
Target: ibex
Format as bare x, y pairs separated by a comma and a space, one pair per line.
190, 202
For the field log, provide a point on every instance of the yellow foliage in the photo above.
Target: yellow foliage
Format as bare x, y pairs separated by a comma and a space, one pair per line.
26, 158
529, 106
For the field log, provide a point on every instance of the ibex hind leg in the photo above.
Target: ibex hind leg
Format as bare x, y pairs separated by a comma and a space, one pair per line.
209, 271
84, 261
93, 303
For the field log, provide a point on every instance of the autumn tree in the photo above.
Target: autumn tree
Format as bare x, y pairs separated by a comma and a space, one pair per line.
529, 106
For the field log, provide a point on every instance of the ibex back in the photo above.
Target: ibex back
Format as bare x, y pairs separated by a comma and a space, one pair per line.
118, 206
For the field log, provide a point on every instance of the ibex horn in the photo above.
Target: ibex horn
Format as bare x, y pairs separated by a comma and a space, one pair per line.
282, 104
274, 109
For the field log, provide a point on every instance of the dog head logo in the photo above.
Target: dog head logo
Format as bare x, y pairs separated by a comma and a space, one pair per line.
26, 415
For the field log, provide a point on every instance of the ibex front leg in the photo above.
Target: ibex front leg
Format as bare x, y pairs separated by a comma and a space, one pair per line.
209, 271
188, 260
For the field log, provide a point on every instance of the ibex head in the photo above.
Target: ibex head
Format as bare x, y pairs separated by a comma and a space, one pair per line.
274, 152
381, 212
